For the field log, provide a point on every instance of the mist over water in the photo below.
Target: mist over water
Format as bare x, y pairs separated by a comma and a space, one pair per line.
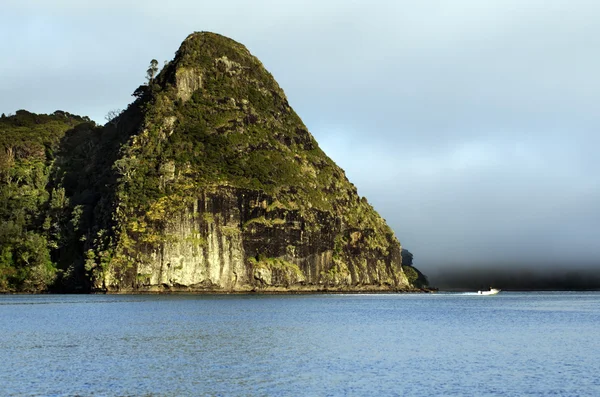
526, 278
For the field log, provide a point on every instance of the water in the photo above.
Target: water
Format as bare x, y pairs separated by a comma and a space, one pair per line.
512, 344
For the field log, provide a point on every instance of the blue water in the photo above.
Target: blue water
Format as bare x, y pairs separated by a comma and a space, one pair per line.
512, 344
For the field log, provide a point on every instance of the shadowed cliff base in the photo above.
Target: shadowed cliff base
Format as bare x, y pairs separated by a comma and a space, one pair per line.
292, 290
565, 278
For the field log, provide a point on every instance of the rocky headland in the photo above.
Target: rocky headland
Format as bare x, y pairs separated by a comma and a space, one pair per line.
207, 182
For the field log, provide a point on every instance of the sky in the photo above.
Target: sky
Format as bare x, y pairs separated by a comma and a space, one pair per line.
471, 126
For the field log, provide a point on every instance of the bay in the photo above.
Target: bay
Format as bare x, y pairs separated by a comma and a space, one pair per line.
511, 344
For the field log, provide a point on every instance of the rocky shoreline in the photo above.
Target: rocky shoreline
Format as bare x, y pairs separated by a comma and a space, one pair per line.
268, 291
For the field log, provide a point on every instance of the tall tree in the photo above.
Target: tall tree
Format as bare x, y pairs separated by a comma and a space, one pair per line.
152, 70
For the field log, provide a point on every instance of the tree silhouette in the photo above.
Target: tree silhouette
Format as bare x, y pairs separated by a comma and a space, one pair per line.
152, 70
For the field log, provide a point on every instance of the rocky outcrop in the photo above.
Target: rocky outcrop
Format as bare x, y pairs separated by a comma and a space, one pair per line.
210, 182
232, 192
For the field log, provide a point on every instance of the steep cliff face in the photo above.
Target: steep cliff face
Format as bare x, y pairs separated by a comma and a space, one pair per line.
220, 186
237, 239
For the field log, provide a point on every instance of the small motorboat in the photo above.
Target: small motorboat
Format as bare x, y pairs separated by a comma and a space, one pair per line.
492, 291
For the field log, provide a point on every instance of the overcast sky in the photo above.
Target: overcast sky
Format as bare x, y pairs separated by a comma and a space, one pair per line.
471, 126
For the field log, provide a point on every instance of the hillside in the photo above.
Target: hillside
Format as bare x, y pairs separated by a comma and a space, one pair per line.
32, 208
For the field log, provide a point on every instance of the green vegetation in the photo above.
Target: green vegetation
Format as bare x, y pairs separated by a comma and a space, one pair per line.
411, 274
415, 277
290, 271
264, 221
336, 275
230, 231
152, 70
31, 204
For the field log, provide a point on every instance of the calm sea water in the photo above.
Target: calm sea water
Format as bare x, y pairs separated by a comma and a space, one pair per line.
512, 344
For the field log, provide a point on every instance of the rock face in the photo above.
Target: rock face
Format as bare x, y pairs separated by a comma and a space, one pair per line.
209, 181
236, 239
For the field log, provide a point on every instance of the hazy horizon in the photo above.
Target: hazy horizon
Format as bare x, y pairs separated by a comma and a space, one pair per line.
471, 127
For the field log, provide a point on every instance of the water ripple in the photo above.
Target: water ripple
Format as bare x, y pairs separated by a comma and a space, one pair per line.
318, 345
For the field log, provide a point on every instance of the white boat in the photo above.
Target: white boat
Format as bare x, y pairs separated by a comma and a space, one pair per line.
492, 291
